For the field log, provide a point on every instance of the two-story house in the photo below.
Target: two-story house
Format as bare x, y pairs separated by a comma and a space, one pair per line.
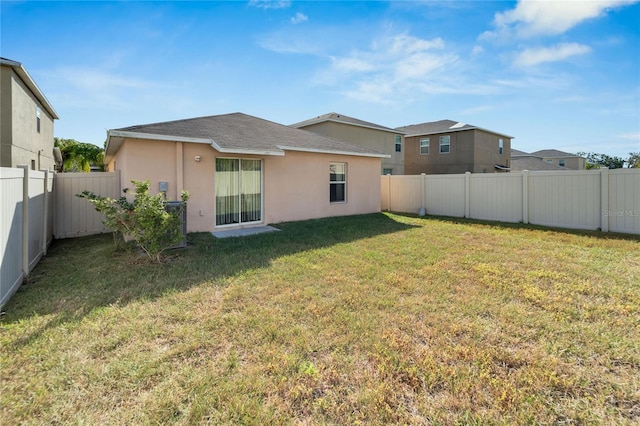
361, 133
26, 120
448, 146
561, 159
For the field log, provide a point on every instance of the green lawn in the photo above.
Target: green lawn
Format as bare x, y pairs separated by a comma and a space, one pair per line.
372, 319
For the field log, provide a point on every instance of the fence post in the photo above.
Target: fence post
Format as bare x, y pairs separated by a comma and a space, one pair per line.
423, 202
45, 211
25, 219
388, 193
604, 197
467, 194
525, 196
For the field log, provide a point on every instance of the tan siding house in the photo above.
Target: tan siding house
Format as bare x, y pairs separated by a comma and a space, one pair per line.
447, 146
243, 171
361, 133
562, 159
26, 120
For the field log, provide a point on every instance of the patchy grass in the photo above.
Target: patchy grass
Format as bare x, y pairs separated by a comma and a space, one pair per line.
368, 319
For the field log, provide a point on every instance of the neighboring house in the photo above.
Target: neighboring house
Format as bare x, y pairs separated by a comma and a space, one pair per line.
362, 133
562, 159
245, 171
26, 120
448, 146
521, 160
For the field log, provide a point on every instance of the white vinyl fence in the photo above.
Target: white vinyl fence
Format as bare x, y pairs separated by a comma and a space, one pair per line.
35, 207
26, 224
608, 200
75, 216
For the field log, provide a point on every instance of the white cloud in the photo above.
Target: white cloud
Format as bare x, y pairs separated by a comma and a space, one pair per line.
477, 50
270, 4
549, 17
535, 56
90, 87
299, 18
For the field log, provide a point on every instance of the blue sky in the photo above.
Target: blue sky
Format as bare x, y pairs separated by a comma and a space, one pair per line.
563, 75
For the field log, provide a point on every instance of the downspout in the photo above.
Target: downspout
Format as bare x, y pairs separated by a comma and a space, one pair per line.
179, 169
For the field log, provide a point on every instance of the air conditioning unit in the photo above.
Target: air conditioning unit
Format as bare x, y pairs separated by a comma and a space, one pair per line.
179, 207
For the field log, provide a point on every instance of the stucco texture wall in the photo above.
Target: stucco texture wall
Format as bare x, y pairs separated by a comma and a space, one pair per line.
377, 140
21, 141
296, 185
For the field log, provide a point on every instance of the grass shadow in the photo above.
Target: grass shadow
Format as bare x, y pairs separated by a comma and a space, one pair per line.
83, 274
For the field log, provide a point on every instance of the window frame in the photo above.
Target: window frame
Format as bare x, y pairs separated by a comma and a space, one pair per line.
561, 162
500, 146
338, 182
428, 146
38, 119
443, 144
398, 146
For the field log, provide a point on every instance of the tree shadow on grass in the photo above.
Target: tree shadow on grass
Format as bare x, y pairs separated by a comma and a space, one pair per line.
83, 274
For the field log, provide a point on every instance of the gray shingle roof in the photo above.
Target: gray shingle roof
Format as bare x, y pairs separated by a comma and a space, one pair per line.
552, 153
241, 133
341, 118
442, 126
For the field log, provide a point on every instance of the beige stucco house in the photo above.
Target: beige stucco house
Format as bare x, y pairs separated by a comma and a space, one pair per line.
243, 171
448, 146
562, 159
362, 133
26, 120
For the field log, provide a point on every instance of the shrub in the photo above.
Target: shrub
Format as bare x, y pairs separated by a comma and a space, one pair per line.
145, 220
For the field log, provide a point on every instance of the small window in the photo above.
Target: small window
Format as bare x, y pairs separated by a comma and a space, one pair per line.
424, 146
337, 182
550, 161
38, 119
561, 162
398, 143
500, 146
445, 144
387, 171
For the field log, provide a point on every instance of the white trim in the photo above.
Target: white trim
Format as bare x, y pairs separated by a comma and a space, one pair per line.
245, 151
28, 81
323, 151
333, 120
438, 132
137, 135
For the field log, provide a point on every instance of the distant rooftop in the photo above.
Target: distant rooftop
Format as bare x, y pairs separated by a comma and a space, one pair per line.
442, 126
553, 153
341, 118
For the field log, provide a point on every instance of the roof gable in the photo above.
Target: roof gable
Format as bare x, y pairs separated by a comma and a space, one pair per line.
344, 119
33, 87
236, 133
442, 126
545, 153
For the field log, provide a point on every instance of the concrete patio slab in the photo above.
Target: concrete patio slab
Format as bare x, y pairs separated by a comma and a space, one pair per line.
243, 232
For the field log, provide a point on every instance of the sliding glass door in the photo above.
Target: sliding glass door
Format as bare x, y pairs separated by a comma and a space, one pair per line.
238, 191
